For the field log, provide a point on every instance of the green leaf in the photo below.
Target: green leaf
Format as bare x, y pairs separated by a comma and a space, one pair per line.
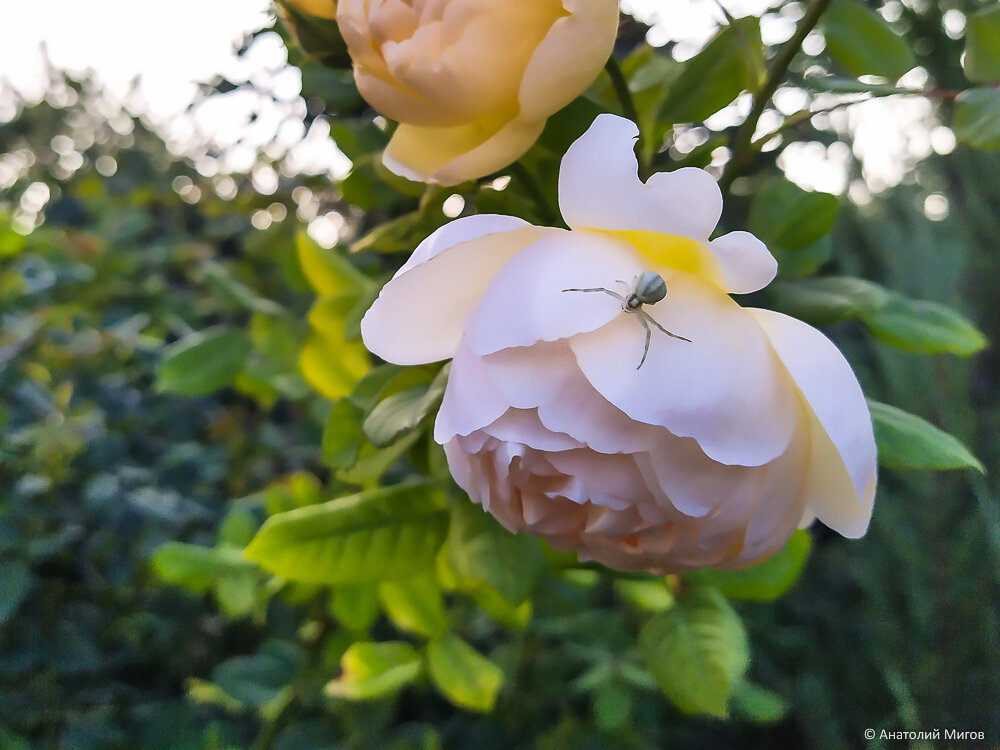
838, 85
758, 704
830, 299
365, 189
977, 118
612, 706
374, 462
357, 138
237, 594
196, 568
234, 290
259, 679
929, 327
355, 605
982, 45
913, 325
907, 441
649, 595
317, 35
784, 215
329, 362
482, 549
401, 234
415, 604
371, 536
375, 670
335, 87
203, 362
465, 677
731, 63
764, 582
327, 271
15, 583
403, 412
697, 651
342, 435
862, 43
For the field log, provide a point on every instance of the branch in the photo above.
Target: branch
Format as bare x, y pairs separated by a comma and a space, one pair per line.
627, 104
743, 146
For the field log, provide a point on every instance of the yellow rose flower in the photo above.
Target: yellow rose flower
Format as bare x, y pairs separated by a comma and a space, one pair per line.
471, 82
318, 8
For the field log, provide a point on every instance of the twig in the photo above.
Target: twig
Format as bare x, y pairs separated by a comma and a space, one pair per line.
743, 145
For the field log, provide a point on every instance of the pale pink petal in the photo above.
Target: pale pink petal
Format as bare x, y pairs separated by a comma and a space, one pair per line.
546, 376
528, 300
745, 262
599, 187
418, 316
841, 483
470, 402
724, 388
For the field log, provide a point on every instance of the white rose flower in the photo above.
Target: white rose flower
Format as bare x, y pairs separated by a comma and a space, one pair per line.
471, 82
710, 453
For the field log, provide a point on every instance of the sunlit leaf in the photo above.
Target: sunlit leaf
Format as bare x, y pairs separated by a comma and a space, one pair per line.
371, 536
465, 677
907, 441
355, 605
697, 650
327, 271
195, 567
758, 704
415, 604
375, 670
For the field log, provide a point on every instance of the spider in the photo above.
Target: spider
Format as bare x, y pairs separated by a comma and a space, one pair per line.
649, 288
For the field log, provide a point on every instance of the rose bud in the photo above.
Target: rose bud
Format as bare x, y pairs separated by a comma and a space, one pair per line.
647, 431
471, 82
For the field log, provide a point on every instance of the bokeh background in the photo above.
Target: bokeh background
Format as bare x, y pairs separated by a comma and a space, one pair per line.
156, 167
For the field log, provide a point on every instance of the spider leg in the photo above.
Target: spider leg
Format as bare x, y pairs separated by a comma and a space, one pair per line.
652, 320
649, 334
598, 289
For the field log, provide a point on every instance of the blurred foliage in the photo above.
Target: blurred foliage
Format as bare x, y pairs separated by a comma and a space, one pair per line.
222, 524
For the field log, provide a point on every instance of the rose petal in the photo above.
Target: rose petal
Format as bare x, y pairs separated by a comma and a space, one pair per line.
724, 388
450, 155
843, 468
599, 187
528, 299
586, 34
417, 317
470, 402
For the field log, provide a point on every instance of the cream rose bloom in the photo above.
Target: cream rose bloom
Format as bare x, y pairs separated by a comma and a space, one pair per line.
319, 8
471, 82
711, 453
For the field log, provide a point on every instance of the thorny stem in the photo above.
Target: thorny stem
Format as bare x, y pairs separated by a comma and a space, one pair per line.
743, 146
534, 189
620, 84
